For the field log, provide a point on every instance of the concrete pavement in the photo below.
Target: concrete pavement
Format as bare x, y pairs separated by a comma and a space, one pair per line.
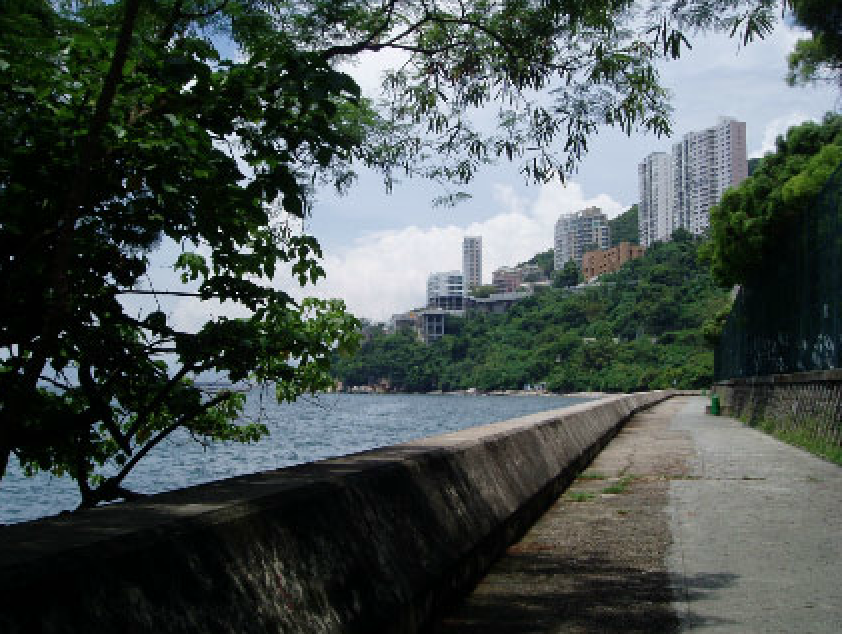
685, 522
767, 515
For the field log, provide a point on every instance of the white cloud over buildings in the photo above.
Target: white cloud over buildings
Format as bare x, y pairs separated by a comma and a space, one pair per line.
380, 248
385, 272
775, 128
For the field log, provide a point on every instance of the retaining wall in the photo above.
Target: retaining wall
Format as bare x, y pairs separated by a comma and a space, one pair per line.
372, 542
807, 401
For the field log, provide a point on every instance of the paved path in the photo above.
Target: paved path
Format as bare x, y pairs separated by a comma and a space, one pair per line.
685, 522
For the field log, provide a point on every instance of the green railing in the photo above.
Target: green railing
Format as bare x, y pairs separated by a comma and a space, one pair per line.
790, 319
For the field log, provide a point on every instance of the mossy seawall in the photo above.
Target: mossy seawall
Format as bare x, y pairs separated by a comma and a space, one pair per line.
373, 542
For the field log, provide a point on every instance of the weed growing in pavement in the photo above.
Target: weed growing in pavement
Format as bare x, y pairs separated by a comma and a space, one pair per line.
621, 486
807, 436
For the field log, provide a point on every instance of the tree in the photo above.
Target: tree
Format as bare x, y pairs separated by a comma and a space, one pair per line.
114, 129
750, 221
130, 127
682, 235
543, 260
818, 58
569, 275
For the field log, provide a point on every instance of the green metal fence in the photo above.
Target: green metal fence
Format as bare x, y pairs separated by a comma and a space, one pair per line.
790, 320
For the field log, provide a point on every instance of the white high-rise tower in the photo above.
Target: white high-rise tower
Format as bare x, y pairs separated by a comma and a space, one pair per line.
705, 164
576, 232
655, 211
679, 190
472, 262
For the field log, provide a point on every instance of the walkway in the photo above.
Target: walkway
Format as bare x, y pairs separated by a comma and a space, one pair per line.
684, 522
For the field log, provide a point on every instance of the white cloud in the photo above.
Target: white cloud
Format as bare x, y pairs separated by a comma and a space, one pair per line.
775, 128
385, 272
368, 69
190, 314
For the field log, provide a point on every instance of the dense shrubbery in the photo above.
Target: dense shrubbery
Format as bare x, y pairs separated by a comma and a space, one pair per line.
751, 222
642, 329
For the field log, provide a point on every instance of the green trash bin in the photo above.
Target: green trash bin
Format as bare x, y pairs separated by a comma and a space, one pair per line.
714, 404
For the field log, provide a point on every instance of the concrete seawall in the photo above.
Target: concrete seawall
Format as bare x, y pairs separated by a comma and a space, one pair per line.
373, 542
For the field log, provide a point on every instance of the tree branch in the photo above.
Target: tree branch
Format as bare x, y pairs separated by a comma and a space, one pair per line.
100, 409
166, 431
368, 44
143, 414
168, 293
58, 280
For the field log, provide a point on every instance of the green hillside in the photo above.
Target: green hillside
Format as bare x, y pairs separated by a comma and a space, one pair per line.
624, 227
543, 260
641, 329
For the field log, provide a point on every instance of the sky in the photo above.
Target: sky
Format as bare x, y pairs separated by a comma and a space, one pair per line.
380, 247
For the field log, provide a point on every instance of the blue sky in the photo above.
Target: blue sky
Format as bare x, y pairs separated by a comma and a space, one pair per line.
379, 247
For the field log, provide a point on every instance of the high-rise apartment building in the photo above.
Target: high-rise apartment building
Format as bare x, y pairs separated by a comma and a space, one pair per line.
705, 164
680, 191
446, 290
472, 262
578, 232
655, 211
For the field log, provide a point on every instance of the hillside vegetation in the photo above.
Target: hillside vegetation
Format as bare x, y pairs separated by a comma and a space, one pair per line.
755, 222
641, 329
624, 228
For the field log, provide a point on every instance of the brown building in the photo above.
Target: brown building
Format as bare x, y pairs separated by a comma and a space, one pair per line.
596, 263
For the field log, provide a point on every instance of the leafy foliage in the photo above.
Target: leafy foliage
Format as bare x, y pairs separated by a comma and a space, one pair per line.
544, 260
819, 57
642, 329
569, 275
115, 123
751, 221
130, 128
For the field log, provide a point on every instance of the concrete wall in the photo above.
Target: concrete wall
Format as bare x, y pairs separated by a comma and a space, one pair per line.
808, 401
373, 542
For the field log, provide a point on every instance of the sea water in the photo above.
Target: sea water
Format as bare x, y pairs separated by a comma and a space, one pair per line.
309, 429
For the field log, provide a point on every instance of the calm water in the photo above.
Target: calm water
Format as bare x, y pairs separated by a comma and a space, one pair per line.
309, 429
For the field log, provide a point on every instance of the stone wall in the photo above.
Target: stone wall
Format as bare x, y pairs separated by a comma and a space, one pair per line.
809, 401
372, 542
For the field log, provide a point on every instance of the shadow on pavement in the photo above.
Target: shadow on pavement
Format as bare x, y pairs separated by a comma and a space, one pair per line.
540, 593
